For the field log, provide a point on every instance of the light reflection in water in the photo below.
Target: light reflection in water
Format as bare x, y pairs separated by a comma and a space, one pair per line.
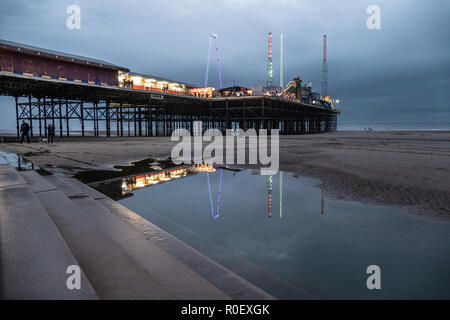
269, 188
131, 183
306, 248
203, 167
322, 202
214, 215
144, 180
17, 161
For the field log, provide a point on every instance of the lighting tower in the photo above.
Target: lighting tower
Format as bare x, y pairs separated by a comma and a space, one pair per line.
213, 36
269, 64
324, 69
281, 61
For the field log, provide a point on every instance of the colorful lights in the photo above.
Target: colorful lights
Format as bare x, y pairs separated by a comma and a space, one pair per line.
218, 195
270, 45
204, 167
269, 64
141, 181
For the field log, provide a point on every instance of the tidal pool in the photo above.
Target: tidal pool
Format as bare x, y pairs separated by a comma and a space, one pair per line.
17, 161
317, 244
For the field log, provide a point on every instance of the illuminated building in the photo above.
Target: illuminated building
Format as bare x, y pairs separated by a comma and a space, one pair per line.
204, 167
148, 179
146, 82
201, 92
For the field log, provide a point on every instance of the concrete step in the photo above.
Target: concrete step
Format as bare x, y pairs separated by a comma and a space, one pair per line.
229, 282
233, 285
33, 255
111, 270
174, 277
68, 189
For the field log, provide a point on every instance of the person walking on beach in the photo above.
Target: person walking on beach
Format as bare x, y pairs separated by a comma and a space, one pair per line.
24, 129
50, 132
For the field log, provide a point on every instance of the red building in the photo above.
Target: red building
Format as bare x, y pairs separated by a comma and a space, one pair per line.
33, 61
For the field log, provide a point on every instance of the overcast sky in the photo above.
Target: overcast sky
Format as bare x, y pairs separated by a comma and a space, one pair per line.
399, 73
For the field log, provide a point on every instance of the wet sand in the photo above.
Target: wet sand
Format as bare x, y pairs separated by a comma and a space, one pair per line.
405, 168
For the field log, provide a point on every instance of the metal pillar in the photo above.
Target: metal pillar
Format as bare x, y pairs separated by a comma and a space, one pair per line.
30, 115
44, 109
82, 118
17, 118
67, 119
60, 119
121, 119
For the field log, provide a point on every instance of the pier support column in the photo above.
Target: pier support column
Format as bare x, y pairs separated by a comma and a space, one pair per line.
40, 119
67, 119
44, 110
60, 119
135, 121
117, 122
121, 118
140, 121
53, 112
30, 114
107, 120
82, 118
17, 118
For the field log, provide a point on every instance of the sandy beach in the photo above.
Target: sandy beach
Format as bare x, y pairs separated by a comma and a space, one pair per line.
405, 168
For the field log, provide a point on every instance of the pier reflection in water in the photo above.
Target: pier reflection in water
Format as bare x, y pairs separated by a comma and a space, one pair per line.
319, 244
144, 180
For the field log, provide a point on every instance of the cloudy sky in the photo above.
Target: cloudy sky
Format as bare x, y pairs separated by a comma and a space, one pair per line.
399, 73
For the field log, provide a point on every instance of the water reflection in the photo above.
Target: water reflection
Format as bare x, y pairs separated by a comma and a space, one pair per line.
322, 202
203, 167
131, 183
281, 194
326, 255
216, 214
17, 161
269, 188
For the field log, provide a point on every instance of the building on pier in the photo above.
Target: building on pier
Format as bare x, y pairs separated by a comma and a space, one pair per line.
147, 82
48, 64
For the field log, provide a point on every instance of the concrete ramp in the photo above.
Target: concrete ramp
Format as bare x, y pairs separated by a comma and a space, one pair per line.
50, 223
118, 260
145, 241
34, 256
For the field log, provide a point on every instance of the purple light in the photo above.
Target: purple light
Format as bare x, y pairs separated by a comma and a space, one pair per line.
218, 65
207, 64
210, 195
213, 36
218, 195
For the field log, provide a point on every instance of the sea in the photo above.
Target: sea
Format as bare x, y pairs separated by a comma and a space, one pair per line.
342, 126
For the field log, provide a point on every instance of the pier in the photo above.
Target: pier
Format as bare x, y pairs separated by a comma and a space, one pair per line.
80, 95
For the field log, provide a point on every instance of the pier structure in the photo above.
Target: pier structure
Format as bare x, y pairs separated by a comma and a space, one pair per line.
83, 96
